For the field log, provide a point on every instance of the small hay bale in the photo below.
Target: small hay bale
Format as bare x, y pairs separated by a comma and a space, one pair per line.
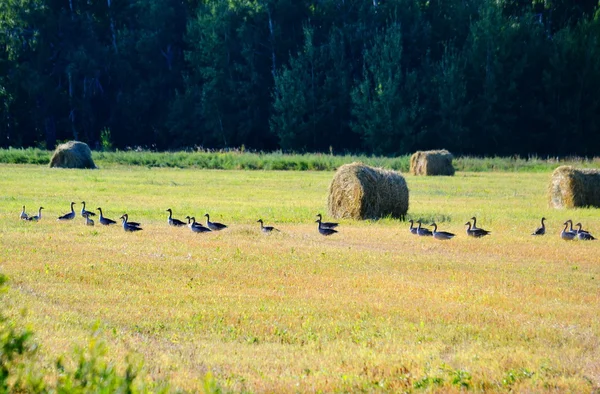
358, 191
432, 162
574, 187
72, 154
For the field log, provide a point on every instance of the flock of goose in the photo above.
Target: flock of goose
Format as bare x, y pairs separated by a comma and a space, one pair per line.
325, 228
568, 233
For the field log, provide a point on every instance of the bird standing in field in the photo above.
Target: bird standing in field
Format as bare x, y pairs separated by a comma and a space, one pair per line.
540, 230
412, 229
68, 216
85, 212
582, 234
568, 235
36, 217
266, 229
214, 226
195, 226
23, 215
474, 227
326, 224
129, 226
325, 230
441, 235
475, 233
422, 231
174, 222
103, 220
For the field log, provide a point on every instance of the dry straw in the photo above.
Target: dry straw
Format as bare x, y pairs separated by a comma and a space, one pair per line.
574, 187
361, 192
73, 154
432, 162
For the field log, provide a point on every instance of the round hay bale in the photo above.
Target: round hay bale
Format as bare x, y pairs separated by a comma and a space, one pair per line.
72, 154
358, 191
432, 162
574, 187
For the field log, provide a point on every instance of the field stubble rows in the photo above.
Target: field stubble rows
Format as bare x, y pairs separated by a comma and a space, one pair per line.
371, 308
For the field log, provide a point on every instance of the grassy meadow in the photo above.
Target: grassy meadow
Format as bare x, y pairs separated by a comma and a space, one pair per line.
372, 308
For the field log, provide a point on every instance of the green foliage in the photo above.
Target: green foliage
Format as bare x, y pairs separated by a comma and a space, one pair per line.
106, 140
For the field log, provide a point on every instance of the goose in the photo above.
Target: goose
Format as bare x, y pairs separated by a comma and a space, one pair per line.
475, 228
326, 224
412, 229
540, 230
324, 230
23, 214
580, 230
442, 235
214, 226
196, 227
84, 212
36, 217
422, 231
583, 235
567, 235
104, 221
475, 233
129, 226
68, 216
265, 229
88, 221
174, 222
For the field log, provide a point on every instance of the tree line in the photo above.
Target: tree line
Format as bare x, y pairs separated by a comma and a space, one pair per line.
386, 77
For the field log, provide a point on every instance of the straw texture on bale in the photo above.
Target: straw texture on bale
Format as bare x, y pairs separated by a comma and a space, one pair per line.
432, 162
72, 154
574, 187
358, 191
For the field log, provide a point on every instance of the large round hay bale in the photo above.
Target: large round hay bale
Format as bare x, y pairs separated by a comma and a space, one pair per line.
361, 192
574, 187
72, 154
432, 162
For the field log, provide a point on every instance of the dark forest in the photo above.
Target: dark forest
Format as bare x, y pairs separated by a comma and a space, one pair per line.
381, 77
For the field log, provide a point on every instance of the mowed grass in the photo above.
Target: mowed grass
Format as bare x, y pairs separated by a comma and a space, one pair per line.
372, 308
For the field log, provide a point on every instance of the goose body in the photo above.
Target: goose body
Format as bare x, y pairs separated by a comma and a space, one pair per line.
129, 226
214, 226
412, 229
88, 221
23, 215
104, 221
174, 222
441, 235
475, 233
540, 230
324, 230
36, 217
266, 229
474, 226
567, 235
68, 216
422, 231
326, 224
196, 227
583, 235
85, 212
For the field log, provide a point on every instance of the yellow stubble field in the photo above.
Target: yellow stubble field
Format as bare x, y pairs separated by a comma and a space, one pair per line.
372, 308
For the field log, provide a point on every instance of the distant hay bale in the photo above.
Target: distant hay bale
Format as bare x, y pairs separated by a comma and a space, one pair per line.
358, 191
432, 162
73, 154
574, 187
